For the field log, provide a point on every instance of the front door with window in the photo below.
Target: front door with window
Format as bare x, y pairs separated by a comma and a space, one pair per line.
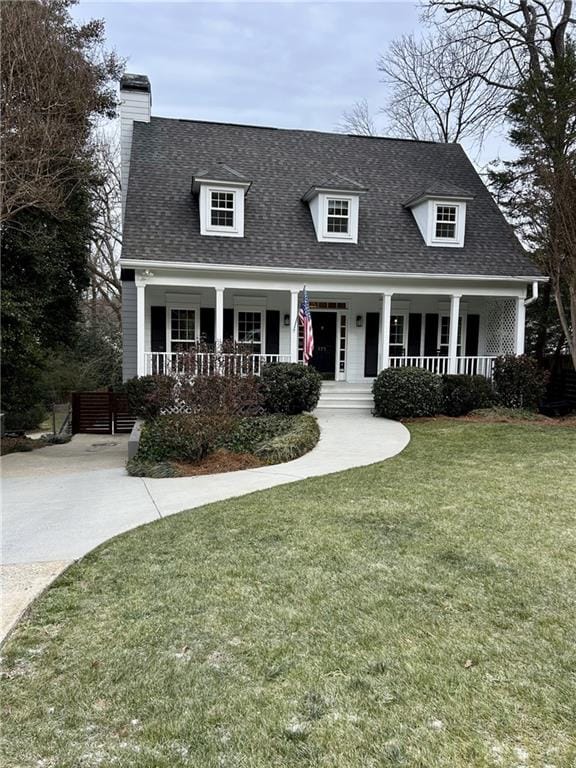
324, 358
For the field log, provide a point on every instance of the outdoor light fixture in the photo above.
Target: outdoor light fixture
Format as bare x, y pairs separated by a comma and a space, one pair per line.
286, 320
359, 321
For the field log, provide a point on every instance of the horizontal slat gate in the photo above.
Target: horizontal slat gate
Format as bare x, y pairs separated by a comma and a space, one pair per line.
100, 413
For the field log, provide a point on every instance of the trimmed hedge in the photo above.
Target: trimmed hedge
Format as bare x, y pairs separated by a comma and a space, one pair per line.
250, 432
519, 382
298, 440
462, 394
290, 388
188, 438
401, 393
181, 437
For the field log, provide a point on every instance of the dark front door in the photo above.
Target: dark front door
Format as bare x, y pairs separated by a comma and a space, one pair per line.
324, 357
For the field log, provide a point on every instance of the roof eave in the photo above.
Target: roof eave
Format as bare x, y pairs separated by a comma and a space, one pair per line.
197, 183
314, 191
421, 197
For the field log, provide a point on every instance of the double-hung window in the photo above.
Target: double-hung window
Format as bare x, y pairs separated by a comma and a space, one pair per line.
444, 335
397, 335
338, 216
182, 329
222, 209
446, 222
250, 330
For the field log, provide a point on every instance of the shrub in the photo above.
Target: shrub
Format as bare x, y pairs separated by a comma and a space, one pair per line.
290, 388
298, 440
462, 394
250, 432
147, 395
20, 421
234, 395
519, 382
181, 437
401, 393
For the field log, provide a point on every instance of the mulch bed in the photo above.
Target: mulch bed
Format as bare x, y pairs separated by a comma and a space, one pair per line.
219, 461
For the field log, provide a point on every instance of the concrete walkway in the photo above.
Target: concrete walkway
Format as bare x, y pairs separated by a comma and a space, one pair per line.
60, 502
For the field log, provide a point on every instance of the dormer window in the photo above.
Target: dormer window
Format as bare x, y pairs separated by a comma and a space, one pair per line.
440, 214
334, 206
221, 192
445, 222
338, 219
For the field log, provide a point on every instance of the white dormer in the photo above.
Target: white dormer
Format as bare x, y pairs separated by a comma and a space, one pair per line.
334, 207
440, 213
221, 191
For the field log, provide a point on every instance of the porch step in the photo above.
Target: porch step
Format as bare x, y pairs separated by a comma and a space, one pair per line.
344, 395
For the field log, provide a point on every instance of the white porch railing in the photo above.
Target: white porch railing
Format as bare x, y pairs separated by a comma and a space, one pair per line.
482, 366
206, 363
433, 364
476, 366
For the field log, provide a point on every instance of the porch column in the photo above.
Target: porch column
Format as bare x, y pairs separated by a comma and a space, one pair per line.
385, 330
520, 326
453, 337
219, 319
294, 326
140, 328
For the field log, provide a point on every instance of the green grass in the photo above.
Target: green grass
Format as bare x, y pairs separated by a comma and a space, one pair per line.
420, 612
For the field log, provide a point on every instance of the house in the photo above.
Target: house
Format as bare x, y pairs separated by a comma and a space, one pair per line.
405, 256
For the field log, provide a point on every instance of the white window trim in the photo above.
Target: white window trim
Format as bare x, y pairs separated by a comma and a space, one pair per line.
261, 310
447, 242
337, 199
462, 340
205, 203
338, 237
181, 305
405, 315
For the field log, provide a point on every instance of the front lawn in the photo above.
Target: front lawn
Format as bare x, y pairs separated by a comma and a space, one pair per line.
420, 612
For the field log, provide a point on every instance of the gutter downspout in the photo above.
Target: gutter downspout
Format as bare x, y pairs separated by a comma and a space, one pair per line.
534, 296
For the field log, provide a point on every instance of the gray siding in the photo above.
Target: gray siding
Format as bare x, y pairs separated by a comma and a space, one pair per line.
129, 343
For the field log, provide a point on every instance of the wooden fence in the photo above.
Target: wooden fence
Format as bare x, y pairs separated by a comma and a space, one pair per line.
101, 413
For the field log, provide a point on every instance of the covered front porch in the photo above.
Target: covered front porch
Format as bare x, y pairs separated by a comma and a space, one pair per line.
356, 333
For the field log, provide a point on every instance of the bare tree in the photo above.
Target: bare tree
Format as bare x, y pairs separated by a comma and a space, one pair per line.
434, 91
55, 79
358, 120
527, 53
514, 37
106, 235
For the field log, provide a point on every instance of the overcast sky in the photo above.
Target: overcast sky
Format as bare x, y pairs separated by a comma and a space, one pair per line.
288, 65
295, 65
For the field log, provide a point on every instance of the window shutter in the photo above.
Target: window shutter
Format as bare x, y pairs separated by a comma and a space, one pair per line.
472, 334
414, 334
207, 319
273, 332
431, 335
158, 329
372, 335
229, 324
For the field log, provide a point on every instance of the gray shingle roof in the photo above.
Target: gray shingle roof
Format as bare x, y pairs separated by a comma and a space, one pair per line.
162, 219
220, 172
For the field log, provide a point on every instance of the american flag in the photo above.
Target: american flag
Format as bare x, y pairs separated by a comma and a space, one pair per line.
306, 319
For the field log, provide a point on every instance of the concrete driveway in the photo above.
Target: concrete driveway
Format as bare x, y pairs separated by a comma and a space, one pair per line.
60, 502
